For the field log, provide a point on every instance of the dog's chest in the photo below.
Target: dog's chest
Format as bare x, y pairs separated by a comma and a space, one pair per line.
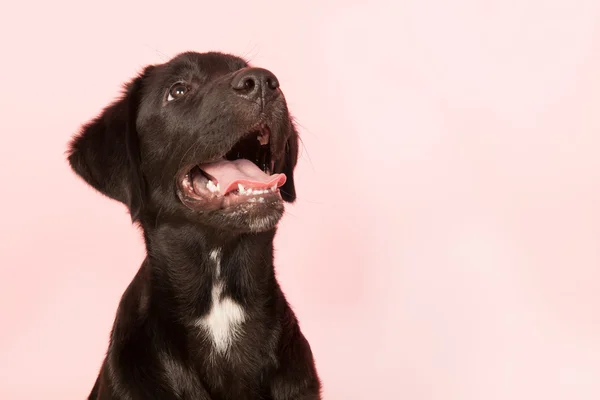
222, 323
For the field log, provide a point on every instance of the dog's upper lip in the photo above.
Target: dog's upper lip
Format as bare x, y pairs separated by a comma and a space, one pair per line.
263, 132
263, 137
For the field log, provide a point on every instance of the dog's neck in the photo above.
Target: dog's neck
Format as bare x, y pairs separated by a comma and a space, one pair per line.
186, 262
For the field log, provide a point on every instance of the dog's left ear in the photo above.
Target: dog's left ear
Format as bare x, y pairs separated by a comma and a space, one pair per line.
106, 152
288, 190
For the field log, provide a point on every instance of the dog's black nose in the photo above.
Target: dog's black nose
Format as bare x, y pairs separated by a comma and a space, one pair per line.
255, 83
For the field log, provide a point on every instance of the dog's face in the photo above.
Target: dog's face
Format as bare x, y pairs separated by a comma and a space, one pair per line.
202, 137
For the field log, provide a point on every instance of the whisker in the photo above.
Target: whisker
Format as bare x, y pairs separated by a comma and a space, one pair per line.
247, 57
160, 54
304, 148
286, 212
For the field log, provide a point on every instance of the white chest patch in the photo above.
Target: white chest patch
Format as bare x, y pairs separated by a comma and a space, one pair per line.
223, 321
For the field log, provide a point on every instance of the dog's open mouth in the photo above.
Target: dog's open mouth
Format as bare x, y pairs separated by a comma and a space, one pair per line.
242, 175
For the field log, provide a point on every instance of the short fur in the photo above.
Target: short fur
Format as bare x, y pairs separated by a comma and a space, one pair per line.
134, 152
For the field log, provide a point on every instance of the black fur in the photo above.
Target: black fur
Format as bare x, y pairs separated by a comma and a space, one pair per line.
135, 152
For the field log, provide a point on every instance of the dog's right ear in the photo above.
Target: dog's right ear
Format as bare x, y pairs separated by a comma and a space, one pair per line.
106, 152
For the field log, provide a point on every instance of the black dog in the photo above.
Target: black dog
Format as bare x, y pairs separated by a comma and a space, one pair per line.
201, 150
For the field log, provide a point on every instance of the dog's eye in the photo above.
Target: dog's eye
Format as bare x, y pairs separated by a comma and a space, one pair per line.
176, 91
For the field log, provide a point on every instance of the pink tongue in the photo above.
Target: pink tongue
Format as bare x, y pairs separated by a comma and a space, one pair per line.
229, 173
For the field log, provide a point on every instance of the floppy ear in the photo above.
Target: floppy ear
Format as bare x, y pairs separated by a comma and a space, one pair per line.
106, 152
288, 190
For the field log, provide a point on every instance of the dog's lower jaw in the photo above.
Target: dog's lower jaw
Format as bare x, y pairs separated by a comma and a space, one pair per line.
262, 224
174, 309
246, 218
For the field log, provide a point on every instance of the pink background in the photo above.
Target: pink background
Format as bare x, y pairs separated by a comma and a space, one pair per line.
446, 240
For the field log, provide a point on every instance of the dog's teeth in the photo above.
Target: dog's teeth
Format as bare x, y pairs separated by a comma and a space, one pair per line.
274, 187
261, 199
212, 187
250, 191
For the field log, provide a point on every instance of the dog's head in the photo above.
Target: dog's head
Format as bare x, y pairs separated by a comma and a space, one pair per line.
202, 137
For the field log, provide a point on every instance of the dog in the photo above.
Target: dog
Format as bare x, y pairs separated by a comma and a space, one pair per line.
201, 150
